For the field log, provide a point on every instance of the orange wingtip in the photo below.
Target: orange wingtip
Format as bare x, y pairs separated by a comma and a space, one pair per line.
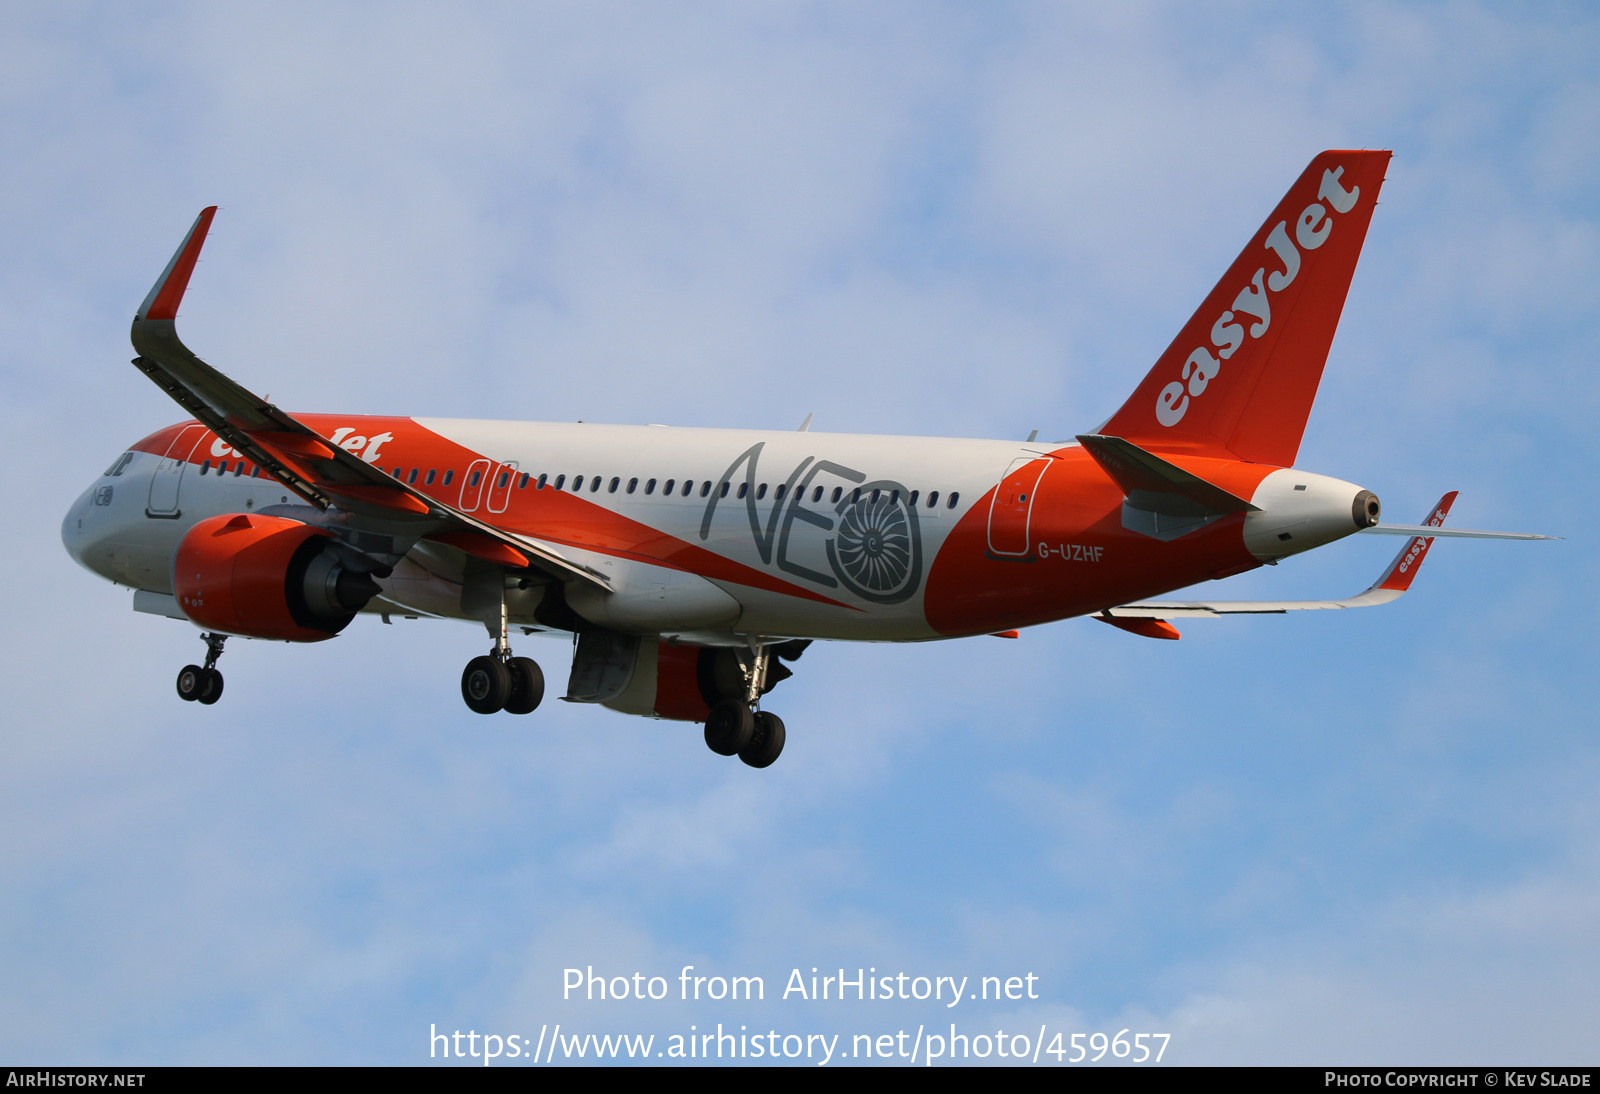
1006, 634
1403, 570
481, 546
169, 293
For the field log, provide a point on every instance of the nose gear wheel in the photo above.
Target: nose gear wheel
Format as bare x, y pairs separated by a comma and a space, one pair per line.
203, 683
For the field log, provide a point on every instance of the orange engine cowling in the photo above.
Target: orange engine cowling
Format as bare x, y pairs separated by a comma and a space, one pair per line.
267, 577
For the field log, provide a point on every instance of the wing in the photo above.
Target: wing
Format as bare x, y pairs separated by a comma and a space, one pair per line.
308, 464
1391, 585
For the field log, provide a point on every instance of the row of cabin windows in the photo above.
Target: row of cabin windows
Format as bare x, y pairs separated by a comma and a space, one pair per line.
433, 473
687, 489
222, 469
255, 472
597, 481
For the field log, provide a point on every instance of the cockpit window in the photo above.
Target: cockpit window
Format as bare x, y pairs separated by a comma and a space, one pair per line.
119, 465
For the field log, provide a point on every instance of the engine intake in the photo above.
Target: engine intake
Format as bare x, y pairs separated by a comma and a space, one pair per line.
267, 577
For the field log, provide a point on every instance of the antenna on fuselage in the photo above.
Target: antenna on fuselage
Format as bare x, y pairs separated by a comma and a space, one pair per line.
805, 426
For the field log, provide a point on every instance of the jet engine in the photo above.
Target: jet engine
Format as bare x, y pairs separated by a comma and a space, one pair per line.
268, 577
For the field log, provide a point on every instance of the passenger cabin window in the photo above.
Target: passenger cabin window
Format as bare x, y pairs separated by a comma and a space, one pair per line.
633, 484
397, 472
238, 469
911, 500
722, 492
540, 485
954, 497
667, 489
561, 480
688, 486
594, 485
778, 493
432, 472
205, 467
500, 483
411, 479
705, 488
933, 498
522, 483
761, 491
855, 495
474, 478
838, 491
577, 483
615, 482
816, 495
650, 487
744, 488
448, 475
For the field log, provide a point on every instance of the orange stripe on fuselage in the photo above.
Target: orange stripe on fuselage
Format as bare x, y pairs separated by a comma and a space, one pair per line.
556, 516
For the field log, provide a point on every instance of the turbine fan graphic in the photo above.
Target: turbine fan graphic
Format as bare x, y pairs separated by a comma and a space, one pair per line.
877, 549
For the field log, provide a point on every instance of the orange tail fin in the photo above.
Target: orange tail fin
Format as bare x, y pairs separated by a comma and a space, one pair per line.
1243, 372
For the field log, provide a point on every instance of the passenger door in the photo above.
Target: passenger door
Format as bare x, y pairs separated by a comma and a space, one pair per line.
168, 476
1012, 507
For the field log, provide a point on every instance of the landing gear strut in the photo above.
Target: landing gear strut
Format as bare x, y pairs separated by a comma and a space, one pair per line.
736, 728
500, 681
203, 683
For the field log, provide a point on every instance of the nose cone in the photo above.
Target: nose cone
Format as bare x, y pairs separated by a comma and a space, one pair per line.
108, 533
1300, 510
77, 528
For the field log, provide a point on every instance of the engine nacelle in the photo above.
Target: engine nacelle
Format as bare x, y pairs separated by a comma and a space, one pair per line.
267, 577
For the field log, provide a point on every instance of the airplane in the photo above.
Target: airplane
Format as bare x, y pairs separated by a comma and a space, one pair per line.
692, 567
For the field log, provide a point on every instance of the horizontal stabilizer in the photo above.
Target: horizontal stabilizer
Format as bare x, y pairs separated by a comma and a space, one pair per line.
1458, 533
1391, 584
1153, 484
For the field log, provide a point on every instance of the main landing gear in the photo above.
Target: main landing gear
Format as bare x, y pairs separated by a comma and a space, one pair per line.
736, 728
203, 683
499, 681
494, 683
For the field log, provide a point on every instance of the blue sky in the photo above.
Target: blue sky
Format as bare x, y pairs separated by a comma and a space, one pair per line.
1369, 837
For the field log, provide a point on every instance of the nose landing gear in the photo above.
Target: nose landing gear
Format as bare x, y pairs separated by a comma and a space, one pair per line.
203, 684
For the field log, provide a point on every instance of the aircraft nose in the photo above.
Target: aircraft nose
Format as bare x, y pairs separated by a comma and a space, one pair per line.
77, 532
